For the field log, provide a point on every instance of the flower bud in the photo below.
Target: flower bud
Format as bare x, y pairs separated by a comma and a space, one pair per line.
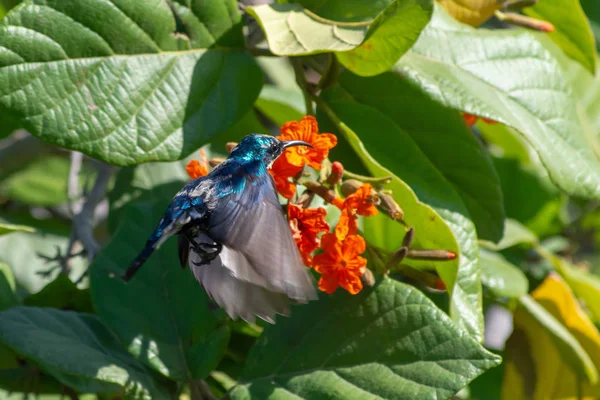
213, 162
435, 255
524, 21
337, 171
350, 186
397, 256
389, 206
320, 190
408, 238
367, 278
229, 146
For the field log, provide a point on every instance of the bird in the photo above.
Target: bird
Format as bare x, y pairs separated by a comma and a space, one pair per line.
233, 234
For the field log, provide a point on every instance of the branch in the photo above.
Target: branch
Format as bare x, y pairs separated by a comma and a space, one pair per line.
301, 80
84, 221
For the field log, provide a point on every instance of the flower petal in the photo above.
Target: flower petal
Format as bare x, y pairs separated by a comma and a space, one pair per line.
351, 282
353, 246
328, 283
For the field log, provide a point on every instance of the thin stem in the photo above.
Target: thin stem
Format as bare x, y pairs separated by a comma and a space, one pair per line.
301, 80
385, 180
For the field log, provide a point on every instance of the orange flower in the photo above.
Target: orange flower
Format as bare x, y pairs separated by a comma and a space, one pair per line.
196, 169
281, 172
361, 202
340, 264
307, 129
306, 224
347, 224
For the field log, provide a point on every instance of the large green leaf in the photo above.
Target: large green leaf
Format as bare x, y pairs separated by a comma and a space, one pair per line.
162, 314
512, 77
280, 105
76, 349
439, 134
396, 152
388, 342
40, 183
26, 382
367, 41
539, 210
62, 294
114, 79
514, 234
572, 29
501, 278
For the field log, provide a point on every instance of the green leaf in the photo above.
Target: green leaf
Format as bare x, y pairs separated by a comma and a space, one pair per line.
367, 47
572, 29
63, 294
8, 298
210, 23
397, 154
8, 228
387, 342
512, 77
280, 105
130, 90
540, 209
514, 233
501, 278
167, 323
40, 183
439, 133
30, 381
76, 349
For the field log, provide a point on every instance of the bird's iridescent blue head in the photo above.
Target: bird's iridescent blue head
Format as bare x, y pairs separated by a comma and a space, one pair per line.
263, 147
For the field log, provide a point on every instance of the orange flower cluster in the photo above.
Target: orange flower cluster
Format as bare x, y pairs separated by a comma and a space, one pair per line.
340, 264
471, 119
196, 169
293, 160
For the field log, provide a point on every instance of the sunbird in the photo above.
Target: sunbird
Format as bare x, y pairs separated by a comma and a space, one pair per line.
233, 234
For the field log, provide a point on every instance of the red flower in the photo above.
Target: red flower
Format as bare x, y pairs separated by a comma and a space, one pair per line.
196, 169
341, 264
306, 224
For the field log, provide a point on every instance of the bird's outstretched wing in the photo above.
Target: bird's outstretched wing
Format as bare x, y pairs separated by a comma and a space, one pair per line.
252, 223
259, 266
238, 295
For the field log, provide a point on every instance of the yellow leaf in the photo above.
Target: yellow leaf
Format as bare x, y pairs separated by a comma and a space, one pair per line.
472, 12
538, 363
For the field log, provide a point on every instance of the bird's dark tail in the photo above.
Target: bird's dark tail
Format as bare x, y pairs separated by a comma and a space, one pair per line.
139, 261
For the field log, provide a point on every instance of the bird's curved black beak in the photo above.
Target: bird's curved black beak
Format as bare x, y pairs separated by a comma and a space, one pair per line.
290, 143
